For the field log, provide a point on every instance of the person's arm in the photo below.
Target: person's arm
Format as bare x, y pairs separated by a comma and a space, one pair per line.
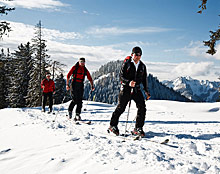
123, 70
145, 83
91, 81
42, 84
68, 77
54, 88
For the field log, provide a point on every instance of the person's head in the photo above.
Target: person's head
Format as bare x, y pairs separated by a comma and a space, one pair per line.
136, 53
48, 75
82, 61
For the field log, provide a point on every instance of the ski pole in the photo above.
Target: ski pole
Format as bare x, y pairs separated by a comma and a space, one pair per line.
60, 107
90, 93
129, 106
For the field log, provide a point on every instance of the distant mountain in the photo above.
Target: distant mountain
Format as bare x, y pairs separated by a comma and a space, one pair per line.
199, 91
107, 86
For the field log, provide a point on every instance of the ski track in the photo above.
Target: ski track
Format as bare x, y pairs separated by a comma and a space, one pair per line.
36, 144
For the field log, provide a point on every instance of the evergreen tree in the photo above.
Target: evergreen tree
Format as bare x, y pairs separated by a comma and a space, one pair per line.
3, 103
214, 35
60, 88
5, 26
16, 76
39, 63
21, 75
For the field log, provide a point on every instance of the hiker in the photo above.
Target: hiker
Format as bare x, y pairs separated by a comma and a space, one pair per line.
48, 87
133, 73
78, 72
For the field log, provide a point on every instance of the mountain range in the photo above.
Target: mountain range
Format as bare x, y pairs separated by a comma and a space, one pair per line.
196, 90
107, 86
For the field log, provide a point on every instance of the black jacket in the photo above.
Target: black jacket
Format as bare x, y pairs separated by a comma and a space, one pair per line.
128, 73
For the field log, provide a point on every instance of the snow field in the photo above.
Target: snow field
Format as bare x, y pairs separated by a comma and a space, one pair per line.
32, 143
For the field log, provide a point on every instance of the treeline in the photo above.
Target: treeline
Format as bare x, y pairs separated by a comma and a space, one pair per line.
107, 86
22, 71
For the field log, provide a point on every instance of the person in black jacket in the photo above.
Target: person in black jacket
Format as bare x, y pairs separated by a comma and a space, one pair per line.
133, 74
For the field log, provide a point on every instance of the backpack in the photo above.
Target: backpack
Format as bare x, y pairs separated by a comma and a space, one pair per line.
75, 72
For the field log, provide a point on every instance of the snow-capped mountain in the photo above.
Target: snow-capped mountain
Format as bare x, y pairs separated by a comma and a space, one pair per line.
196, 90
107, 86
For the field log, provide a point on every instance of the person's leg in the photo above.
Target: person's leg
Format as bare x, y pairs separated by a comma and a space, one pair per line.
50, 95
44, 101
78, 100
72, 103
140, 103
123, 99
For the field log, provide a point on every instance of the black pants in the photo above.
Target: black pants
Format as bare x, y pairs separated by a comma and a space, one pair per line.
124, 97
50, 95
77, 90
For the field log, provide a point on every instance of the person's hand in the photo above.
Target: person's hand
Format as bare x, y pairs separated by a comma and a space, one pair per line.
92, 88
54, 92
43, 87
132, 84
148, 95
67, 87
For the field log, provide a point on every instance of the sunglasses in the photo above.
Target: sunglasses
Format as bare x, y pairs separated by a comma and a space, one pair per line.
81, 61
137, 54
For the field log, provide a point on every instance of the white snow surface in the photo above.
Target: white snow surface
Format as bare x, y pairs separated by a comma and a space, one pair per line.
31, 143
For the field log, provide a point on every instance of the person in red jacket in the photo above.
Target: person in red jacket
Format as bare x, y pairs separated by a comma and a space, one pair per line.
48, 87
78, 73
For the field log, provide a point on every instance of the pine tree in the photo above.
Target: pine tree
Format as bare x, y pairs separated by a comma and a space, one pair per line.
39, 63
4, 26
21, 75
3, 103
60, 89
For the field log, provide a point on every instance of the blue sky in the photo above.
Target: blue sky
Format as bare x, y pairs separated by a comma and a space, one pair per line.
169, 32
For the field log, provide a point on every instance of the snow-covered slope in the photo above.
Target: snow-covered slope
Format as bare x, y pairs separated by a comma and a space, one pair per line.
30, 142
200, 91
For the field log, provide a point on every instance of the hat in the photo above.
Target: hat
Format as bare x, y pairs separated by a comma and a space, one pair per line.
137, 50
48, 74
82, 58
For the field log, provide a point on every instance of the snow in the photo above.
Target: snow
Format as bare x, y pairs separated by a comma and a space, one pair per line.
32, 143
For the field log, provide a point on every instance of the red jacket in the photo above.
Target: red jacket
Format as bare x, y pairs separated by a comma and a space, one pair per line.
79, 74
49, 85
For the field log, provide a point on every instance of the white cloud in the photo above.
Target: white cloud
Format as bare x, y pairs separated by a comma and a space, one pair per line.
65, 53
193, 69
99, 55
197, 49
98, 31
22, 33
170, 71
86, 12
31, 4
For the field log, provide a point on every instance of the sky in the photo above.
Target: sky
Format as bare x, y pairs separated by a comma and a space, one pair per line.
170, 33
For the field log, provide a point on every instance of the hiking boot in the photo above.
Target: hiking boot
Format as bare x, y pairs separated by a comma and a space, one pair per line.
113, 129
77, 117
138, 131
70, 114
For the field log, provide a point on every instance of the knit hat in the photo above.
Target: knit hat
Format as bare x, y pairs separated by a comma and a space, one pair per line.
82, 59
137, 50
48, 74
